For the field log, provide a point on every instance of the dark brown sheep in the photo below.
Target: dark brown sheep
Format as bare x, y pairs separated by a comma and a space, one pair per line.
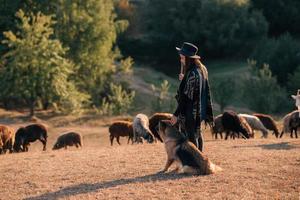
268, 122
7, 139
294, 124
120, 129
154, 121
218, 127
25, 135
290, 123
232, 124
68, 139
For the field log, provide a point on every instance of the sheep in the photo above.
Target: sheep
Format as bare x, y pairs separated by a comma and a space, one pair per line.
232, 123
268, 122
120, 129
297, 101
154, 120
290, 123
141, 129
255, 124
25, 135
218, 127
68, 139
295, 124
7, 139
247, 126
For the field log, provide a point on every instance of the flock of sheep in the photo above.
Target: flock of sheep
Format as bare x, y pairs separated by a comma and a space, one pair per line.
144, 128
230, 123
20, 140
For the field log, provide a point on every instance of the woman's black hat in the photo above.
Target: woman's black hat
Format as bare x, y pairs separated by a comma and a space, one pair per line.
189, 50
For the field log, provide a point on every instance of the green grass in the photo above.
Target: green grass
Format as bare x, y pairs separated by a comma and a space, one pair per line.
226, 68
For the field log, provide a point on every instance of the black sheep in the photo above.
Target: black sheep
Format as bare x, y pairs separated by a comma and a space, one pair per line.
232, 123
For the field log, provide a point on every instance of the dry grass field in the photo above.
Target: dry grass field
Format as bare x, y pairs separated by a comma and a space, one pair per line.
253, 169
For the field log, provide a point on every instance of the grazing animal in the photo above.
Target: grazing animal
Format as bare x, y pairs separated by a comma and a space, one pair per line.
7, 139
154, 121
25, 135
247, 126
120, 129
255, 124
232, 124
218, 127
287, 123
68, 139
297, 101
186, 154
141, 129
294, 124
268, 122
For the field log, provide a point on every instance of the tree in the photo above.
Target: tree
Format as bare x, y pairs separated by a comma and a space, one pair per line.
224, 91
34, 67
221, 28
282, 15
89, 29
282, 55
294, 81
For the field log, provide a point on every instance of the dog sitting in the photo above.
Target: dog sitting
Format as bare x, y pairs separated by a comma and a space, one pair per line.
189, 159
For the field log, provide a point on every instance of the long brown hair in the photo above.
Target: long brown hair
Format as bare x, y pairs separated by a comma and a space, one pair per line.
190, 61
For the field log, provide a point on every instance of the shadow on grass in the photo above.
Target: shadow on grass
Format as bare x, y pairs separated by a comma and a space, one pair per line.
85, 188
276, 146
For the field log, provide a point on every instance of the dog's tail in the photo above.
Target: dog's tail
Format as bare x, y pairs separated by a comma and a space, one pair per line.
214, 168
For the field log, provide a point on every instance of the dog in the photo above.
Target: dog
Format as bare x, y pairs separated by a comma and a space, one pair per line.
189, 159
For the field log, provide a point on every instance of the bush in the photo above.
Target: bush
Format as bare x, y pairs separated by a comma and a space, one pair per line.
261, 91
223, 91
163, 101
118, 101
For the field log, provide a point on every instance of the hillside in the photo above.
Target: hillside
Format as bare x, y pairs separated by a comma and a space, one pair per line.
253, 169
144, 76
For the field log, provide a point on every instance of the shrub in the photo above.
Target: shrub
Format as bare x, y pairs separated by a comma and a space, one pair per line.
261, 91
163, 100
118, 101
223, 91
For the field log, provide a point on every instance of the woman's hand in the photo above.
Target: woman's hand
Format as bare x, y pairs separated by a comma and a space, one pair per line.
180, 77
173, 120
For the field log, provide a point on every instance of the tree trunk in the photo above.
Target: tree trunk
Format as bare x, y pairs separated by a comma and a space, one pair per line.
32, 105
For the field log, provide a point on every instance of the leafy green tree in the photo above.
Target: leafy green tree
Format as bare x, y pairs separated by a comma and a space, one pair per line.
282, 55
294, 81
221, 28
89, 29
282, 15
34, 68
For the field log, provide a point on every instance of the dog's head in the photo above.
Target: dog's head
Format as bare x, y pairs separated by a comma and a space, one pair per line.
167, 130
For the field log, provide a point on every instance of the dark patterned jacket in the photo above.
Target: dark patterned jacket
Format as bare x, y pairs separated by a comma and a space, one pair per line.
194, 101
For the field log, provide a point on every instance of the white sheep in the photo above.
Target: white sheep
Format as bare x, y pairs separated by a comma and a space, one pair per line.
141, 129
297, 100
255, 124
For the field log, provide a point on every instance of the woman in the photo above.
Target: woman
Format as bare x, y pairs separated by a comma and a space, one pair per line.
193, 95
